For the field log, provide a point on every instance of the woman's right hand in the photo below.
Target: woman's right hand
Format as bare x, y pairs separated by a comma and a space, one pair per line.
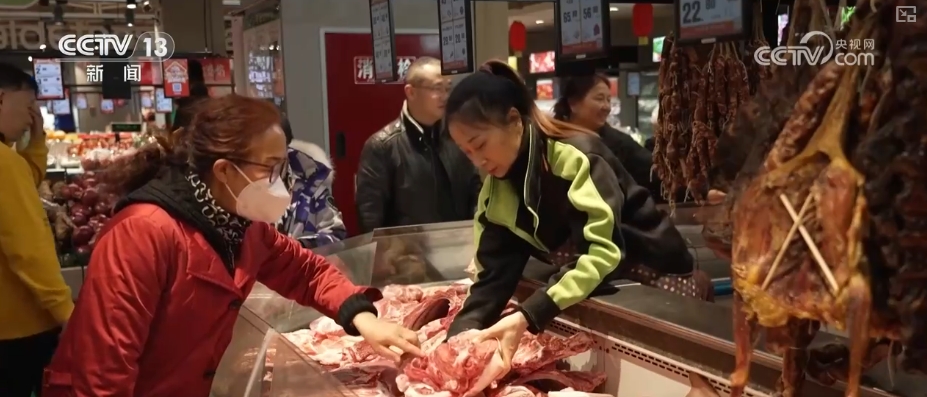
388, 339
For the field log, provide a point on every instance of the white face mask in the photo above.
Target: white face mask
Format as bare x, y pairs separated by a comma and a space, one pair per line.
262, 201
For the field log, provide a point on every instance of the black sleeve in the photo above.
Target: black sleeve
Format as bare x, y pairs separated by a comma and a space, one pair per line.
636, 159
374, 177
595, 191
500, 258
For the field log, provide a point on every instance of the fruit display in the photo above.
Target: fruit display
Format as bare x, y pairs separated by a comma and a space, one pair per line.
88, 151
77, 211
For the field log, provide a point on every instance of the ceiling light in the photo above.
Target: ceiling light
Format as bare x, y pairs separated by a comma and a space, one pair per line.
539, 21
30, 58
42, 46
130, 4
613, 9
146, 2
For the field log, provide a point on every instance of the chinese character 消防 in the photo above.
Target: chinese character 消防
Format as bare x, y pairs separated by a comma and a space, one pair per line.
132, 73
94, 73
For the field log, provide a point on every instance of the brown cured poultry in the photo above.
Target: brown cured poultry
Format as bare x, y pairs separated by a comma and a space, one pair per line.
797, 237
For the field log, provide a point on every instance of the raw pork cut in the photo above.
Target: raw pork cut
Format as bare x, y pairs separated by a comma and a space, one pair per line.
454, 367
449, 369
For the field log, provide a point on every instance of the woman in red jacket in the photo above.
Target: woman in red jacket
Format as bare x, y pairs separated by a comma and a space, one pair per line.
193, 233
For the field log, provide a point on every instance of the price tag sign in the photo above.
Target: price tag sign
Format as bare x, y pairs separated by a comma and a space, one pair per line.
384, 41
48, 78
456, 36
708, 21
584, 29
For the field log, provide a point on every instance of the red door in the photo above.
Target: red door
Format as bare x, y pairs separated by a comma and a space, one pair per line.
357, 107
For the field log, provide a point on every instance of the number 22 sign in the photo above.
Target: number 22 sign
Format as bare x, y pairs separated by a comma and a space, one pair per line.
707, 21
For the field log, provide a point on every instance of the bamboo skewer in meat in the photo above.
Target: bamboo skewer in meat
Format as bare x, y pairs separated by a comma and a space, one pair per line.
862, 277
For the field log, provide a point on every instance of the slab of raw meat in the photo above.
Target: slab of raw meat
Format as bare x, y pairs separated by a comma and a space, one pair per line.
452, 367
403, 293
456, 365
538, 351
329, 350
430, 310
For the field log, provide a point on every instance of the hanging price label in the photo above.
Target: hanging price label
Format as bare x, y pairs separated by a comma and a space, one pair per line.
384, 40
454, 17
583, 26
710, 20
48, 78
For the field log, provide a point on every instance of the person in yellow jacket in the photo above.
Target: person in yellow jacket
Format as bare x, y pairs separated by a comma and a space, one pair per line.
35, 302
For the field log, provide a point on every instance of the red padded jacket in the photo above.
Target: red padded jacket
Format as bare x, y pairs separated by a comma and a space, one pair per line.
158, 305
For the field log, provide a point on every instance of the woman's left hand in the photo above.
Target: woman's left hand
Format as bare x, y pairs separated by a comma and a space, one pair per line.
508, 332
388, 339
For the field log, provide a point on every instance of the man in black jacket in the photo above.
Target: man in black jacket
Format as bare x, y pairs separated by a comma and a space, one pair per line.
411, 172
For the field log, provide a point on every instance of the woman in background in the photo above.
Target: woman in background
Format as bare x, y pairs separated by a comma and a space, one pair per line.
312, 218
586, 102
171, 269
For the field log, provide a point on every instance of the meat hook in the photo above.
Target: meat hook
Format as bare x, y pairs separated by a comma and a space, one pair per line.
828, 275
788, 240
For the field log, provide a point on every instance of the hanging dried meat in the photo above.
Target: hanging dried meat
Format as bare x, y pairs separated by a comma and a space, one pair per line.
747, 139
756, 73
701, 89
893, 158
817, 239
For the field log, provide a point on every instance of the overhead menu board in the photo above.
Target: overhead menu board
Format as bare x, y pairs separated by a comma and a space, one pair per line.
456, 36
48, 78
384, 41
709, 21
583, 27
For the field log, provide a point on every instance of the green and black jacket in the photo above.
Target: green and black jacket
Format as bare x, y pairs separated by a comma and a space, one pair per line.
556, 190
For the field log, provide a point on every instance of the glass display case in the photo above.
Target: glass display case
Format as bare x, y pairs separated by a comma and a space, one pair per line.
261, 362
647, 340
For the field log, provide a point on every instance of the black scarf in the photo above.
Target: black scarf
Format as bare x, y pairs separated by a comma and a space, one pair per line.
232, 227
186, 197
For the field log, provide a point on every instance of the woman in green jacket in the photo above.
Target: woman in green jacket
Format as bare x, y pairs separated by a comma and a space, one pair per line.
551, 182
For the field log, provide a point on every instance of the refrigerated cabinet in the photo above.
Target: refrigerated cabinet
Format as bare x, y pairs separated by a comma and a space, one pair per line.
647, 340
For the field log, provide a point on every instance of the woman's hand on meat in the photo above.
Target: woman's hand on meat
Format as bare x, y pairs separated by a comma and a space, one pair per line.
388, 339
508, 332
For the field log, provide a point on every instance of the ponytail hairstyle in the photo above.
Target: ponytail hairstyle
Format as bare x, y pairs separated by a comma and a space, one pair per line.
223, 127
485, 97
574, 89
